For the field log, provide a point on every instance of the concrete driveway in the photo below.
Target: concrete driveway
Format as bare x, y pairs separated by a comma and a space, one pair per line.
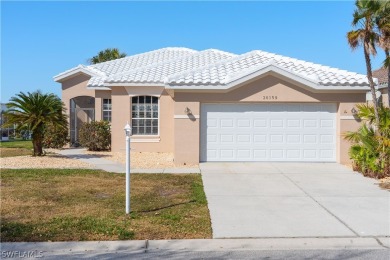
294, 200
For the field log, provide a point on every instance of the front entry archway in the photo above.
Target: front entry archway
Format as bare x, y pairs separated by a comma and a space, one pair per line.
82, 110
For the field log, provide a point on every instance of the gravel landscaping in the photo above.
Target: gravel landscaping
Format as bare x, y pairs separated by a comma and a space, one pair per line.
142, 160
48, 161
139, 160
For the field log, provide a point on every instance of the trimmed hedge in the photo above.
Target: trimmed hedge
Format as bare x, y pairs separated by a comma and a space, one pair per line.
55, 137
96, 136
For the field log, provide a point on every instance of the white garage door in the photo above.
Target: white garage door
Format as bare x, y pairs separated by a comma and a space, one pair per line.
268, 132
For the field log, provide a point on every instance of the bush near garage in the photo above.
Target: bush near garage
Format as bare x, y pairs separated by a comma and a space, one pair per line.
55, 137
96, 136
370, 150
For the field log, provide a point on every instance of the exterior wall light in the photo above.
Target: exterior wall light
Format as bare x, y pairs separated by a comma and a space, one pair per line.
187, 111
354, 111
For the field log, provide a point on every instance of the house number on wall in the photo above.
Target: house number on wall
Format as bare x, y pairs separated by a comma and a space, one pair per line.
270, 97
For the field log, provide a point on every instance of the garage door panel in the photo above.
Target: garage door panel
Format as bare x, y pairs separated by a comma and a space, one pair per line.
243, 123
244, 154
277, 123
276, 154
327, 153
293, 123
212, 122
244, 138
276, 139
260, 139
268, 132
293, 138
293, 154
327, 139
260, 123
226, 123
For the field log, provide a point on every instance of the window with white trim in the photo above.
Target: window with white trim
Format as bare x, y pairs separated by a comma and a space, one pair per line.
107, 109
144, 114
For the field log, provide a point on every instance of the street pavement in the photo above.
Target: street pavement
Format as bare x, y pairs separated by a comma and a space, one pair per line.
285, 248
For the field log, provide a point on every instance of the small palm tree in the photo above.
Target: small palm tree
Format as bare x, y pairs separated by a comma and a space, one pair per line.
370, 151
107, 55
35, 111
364, 18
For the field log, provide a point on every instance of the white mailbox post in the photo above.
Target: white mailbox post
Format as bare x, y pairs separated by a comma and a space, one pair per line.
128, 134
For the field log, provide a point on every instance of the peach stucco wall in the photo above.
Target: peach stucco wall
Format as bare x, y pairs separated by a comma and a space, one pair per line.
385, 96
180, 133
254, 92
121, 114
99, 96
77, 86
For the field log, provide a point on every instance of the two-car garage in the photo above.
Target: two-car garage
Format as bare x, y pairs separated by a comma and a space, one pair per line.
268, 132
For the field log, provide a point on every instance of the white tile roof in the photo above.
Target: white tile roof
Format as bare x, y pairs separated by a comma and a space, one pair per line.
157, 73
176, 67
223, 72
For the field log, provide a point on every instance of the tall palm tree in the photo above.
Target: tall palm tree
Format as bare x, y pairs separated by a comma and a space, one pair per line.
34, 111
107, 55
364, 18
383, 24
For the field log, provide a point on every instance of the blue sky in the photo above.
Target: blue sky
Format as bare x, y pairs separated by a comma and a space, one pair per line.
42, 39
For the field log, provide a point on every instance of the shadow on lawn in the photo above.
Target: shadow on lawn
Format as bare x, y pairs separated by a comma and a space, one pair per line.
165, 207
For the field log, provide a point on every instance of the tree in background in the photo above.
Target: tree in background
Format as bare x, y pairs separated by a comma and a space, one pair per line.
383, 24
364, 17
35, 112
107, 55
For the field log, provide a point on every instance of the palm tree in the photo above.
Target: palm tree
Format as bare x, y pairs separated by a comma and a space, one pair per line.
35, 111
364, 17
370, 150
383, 24
107, 55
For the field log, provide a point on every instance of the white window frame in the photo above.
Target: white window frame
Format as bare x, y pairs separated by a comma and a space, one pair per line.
107, 110
158, 115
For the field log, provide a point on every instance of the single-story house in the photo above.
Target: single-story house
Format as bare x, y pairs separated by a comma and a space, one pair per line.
383, 77
213, 105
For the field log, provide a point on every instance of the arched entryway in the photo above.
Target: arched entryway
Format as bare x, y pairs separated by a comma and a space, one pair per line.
82, 110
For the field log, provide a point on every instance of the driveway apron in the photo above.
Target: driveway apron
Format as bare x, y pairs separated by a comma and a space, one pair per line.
293, 200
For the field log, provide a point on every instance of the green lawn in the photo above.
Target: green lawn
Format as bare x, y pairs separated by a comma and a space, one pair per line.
15, 148
27, 144
72, 205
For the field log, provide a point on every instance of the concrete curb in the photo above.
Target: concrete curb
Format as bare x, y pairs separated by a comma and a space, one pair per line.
65, 248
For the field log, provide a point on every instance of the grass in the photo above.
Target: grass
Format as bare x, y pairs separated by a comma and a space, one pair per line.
11, 152
15, 148
74, 205
27, 144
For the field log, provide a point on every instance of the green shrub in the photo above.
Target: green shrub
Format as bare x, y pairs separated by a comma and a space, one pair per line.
55, 137
96, 136
370, 150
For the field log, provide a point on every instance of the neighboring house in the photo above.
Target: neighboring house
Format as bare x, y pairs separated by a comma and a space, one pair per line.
383, 78
6, 132
213, 105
